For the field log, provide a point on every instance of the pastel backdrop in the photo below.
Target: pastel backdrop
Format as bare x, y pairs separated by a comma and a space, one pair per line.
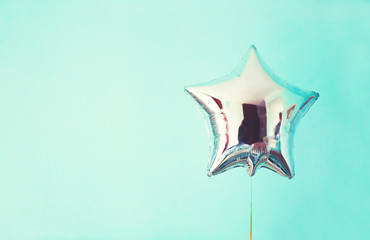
99, 140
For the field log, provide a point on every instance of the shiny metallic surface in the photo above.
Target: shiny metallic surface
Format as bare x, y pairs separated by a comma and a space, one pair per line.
251, 115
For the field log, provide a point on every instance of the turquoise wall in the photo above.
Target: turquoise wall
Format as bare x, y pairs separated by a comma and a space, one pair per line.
98, 140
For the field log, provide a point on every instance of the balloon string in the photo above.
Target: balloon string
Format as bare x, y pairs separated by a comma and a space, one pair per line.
251, 214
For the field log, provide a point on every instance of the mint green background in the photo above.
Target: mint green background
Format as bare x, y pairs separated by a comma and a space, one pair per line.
99, 141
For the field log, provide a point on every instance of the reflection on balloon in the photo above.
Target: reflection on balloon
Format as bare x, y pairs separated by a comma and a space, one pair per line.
251, 115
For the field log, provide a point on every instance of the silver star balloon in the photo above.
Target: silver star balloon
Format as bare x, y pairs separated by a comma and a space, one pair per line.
251, 115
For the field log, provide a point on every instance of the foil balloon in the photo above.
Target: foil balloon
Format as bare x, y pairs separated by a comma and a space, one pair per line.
251, 115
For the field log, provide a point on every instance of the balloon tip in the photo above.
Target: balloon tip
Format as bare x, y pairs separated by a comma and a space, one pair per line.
187, 90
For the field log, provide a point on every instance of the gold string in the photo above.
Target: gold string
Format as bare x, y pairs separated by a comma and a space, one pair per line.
250, 230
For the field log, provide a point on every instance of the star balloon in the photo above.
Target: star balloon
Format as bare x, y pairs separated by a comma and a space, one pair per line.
251, 115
